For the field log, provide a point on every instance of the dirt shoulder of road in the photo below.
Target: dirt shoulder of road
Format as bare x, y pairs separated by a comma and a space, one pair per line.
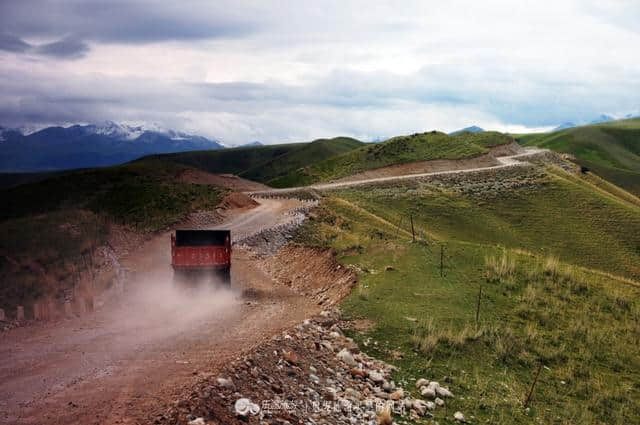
438, 165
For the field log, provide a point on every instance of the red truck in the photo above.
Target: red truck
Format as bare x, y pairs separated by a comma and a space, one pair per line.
197, 254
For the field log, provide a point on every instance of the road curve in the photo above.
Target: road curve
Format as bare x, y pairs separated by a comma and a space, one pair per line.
505, 161
123, 361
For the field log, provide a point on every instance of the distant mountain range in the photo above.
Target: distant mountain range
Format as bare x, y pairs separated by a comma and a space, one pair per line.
80, 146
599, 120
564, 126
472, 129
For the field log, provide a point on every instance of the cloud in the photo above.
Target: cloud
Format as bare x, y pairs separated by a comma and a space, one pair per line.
12, 43
67, 48
125, 21
243, 70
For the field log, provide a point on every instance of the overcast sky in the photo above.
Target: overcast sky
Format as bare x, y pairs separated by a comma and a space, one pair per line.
282, 71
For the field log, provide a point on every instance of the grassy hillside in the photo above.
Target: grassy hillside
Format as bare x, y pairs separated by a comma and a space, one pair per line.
273, 171
398, 150
232, 161
540, 251
265, 164
146, 195
611, 150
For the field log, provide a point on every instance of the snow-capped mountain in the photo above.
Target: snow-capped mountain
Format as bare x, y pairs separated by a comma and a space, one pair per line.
93, 145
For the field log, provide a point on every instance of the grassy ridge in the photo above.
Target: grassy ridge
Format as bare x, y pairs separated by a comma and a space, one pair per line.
398, 150
273, 172
582, 326
146, 195
232, 161
612, 150
265, 164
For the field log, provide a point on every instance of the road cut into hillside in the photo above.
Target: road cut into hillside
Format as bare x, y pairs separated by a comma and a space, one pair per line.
120, 362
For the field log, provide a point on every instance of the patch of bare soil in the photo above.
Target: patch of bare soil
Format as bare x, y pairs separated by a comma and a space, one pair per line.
312, 272
505, 150
229, 181
238, 200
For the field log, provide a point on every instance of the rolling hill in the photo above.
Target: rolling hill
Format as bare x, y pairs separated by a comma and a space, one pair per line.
265, 164
611, 149
397, 150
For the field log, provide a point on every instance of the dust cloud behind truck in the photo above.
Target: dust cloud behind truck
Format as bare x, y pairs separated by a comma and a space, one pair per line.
201, 254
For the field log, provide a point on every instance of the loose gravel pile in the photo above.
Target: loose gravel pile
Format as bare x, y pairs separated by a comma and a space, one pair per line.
311, 374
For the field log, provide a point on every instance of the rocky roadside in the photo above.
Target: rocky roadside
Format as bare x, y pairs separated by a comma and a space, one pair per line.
311, 374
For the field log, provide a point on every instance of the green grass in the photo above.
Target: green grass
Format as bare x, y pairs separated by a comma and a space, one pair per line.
275, 171
536, 251
563, 216
397, 150
611, 150
43, 256
266, 164
146, 195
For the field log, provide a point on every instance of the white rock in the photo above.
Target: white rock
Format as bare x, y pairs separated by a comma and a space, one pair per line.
420, 406
334, 335
422, 382
428, 393
225, 383
314, 378
458, 416
439, 402
346, 357
376, 377
197, 421
430, 405
443, 392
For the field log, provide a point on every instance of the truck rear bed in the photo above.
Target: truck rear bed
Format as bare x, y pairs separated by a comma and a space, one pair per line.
201, 250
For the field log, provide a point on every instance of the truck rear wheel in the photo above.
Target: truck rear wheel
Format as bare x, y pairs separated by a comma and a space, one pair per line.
225, 276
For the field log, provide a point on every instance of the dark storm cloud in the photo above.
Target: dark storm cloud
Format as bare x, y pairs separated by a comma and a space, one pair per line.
12, 43
122, 21
67, 48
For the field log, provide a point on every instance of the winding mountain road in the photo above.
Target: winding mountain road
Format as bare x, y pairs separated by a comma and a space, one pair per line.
504, 161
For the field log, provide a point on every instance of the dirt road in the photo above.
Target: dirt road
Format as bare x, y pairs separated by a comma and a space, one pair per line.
128, 358
504, 161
